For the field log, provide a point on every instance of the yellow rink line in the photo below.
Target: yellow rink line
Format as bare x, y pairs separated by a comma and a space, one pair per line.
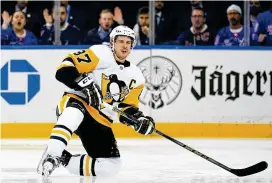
190, 130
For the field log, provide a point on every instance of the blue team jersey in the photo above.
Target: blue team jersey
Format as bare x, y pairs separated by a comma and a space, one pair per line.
227, 38
8, 37
264, 26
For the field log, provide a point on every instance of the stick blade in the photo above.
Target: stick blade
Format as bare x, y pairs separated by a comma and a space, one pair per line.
250, 170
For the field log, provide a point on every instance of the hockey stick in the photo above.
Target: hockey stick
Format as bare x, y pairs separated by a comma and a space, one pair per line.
238, 172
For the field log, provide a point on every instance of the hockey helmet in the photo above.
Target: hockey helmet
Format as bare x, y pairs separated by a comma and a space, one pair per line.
123, 30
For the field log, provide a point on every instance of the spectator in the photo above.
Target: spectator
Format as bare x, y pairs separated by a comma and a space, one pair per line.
212, 13
69, 11
255, 9
263, 28
76, 16
199, 33
16, 34
232, 35
141, 29
106, 23
164, 22
69, 34
33, 22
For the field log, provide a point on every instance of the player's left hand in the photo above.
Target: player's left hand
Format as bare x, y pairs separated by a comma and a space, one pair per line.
145, 126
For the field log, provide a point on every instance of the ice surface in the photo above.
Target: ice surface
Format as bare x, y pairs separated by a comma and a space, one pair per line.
147, 161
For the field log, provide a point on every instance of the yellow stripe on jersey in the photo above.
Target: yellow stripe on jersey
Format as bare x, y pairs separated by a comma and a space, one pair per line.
59, 132
133, 96
88, 158
93, 112
104, 83
62, 103
64, 65
85, 60
67, 62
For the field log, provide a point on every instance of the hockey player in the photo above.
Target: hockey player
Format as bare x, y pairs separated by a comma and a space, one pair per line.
99, 73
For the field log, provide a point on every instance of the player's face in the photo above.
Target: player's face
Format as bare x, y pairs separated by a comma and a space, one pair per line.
234, 17
106, 20
122, 47
18, 20
143, 20
197, 18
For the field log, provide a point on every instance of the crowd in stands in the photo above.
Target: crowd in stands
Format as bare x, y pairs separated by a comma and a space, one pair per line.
190, 23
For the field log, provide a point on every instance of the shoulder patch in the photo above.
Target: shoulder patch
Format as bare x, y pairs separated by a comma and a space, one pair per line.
85, 60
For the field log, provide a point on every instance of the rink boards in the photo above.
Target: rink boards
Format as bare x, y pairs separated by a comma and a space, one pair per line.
190, 93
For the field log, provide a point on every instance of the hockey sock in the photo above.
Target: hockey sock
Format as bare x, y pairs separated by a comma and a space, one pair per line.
67, 123
84, 165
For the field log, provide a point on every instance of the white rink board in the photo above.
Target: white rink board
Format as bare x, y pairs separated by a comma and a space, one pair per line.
253, 65
243, 108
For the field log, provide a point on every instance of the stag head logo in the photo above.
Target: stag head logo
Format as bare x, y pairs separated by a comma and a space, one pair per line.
163, 81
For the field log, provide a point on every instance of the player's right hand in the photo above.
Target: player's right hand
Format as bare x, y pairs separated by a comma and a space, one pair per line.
90, 89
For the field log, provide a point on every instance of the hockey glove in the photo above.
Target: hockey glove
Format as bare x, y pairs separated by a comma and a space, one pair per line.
146, 124
90, 89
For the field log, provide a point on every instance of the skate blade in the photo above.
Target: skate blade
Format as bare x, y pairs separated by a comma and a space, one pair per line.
39, 167
46, 173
